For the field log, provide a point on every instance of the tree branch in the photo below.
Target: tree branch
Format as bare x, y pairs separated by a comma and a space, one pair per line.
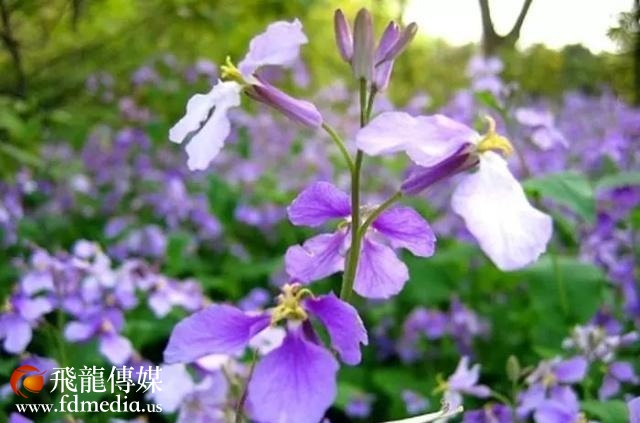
515, 31
487, 23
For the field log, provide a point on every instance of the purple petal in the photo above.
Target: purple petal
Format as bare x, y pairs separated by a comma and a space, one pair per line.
405, 228
427, 140
610, 386
79, 331
34, 308
295, 383
552, 411
301, 111
16, 332
623, 371
343, 323
37, 281
278, 45
218, 329
634, 410
117, 349
18, 418
317, 258
572, 370
344, 38
380, 274
318, 203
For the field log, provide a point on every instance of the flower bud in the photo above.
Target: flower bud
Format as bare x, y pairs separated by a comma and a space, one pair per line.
363, 46
389, 38
402, 41
300, 111
466, 157
344, 39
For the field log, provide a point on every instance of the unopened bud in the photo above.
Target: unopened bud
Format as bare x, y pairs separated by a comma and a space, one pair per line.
344, 38
363, 46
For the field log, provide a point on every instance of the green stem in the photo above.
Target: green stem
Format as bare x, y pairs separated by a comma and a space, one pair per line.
354, 252
243, 394
382, 207
341, 146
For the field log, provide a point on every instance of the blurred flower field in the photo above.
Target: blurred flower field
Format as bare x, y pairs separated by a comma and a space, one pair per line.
241, 271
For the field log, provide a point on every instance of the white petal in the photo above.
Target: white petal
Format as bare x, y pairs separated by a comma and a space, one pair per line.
278, 45
496, 211
207, 142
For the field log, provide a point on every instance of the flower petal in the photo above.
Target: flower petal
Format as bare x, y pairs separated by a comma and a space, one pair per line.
426, 139
380, 274
206, 123
496, 211
318, 203
79, 331
634, 410
218, 329
294, 383
317, 258
278, 45
116, 348
405, 228
17, 333
572, 370
343, 323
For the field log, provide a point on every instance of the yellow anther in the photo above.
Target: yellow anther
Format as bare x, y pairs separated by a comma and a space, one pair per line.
441, 384
106, 327
229, 72
492, 141
549, 379
289, 306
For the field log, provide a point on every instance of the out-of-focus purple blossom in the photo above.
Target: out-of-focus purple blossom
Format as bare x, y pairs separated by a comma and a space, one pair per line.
145, 75
359, 405
491, 413
199, 402
19, 316
485, 74
256, 299
104, 326
634, 410
596, 344
464, 381
414, 402
542, 130
617, 373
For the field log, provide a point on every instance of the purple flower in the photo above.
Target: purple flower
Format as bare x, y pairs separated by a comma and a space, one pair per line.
21, 314
295, 382
414, 402
542, 130
491, 201
380, 273
561, 407
201, 402
634, 410
493, 413
206, 124
105, 326
359, 405
617, 372
463, 381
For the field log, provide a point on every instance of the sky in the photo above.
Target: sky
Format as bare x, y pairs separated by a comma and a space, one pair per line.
555, 23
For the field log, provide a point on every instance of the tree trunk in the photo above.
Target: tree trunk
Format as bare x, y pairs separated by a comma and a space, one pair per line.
493, 42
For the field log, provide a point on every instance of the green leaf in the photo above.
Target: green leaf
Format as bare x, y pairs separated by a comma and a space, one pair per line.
607, 412
567, 188
563, 292
618, 180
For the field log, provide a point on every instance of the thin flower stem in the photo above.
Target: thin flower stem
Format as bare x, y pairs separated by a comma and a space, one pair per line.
243, 395
354, 251
366, 108
341, 146
382, 207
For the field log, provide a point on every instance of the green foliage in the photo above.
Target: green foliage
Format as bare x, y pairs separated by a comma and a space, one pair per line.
567, 188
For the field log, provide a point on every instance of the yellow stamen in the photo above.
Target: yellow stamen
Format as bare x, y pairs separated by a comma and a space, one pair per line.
492, 141
441, 384
229, 72
289, 304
